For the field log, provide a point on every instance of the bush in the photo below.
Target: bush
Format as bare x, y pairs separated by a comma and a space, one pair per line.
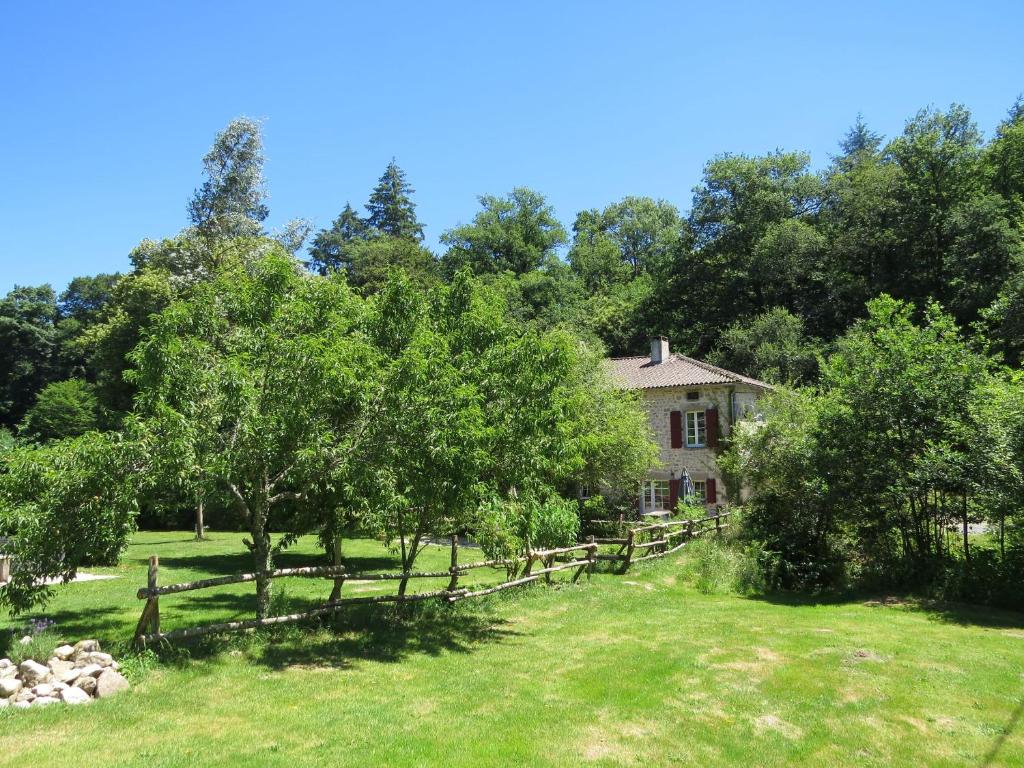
718, 566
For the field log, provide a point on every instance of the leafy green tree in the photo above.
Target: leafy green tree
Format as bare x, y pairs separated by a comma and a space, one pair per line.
28, 340
62, 409
773, 347
232, 200
330, 247
633, 236
754, 246
390, 209
518, 233
373, 260
255, 383
66, 504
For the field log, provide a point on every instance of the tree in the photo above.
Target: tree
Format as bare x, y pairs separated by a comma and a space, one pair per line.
518, 233
330, 247
391, 209
62, 409
256, 383
372, 261
747, 214
773, 347
231, 202
636, 235
28, 341
66, 504
474, 409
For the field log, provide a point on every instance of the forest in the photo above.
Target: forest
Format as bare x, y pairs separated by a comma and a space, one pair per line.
308, 381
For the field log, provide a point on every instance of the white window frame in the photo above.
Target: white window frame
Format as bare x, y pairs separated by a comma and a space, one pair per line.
697, 426
651, 494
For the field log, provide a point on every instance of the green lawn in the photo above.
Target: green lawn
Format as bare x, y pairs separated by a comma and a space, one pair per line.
626, 670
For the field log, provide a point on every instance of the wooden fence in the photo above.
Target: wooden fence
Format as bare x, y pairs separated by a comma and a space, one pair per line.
653, 541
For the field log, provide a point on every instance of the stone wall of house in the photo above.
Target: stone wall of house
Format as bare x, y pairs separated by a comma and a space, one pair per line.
701, 463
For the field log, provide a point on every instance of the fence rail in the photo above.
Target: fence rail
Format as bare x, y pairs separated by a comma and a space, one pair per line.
654, 539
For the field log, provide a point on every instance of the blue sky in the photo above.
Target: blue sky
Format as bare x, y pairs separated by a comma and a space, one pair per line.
108, 108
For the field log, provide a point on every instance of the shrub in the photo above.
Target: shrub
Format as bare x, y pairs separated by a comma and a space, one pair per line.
718, 566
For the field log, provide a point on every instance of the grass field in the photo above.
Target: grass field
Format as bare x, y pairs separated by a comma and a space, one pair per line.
627, 670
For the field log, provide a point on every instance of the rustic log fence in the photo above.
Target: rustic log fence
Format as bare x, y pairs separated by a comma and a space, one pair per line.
656, 540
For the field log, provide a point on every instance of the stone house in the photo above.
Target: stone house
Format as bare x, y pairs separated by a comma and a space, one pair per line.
691, 405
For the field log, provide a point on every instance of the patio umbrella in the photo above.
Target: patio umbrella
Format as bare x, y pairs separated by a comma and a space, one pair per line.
686, 485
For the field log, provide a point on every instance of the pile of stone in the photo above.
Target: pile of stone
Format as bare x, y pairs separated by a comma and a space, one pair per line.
74, 674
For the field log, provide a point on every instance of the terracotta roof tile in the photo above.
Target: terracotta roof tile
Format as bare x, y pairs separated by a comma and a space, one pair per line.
676, 371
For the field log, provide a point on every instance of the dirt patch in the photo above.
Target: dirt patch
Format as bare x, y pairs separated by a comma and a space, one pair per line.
917, 724
779, 726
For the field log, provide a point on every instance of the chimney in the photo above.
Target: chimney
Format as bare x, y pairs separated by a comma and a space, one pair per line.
659, 349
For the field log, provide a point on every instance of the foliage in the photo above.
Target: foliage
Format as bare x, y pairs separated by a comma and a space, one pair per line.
63, 409
231, 202
390, 209
330, 247
27, 344
517, 233
372, 261
254, 384
67, 504
772, 347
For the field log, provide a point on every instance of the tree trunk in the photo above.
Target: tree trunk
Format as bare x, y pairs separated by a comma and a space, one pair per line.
967, 544
199, 520
336, 560
263, 561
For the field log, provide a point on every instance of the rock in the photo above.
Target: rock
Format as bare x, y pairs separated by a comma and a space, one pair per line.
86, 683
8, 672
64, 652
70, 675
42, 701
59, 667
5, 703
85, 646
22, 704
74, 695
43, 689
58, 687
93, 657
91, 670
26, 640
4, 663
32, 672
109, 683
9, 686
24, 695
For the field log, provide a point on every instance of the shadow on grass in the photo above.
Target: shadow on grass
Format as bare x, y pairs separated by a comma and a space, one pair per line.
91, 622
355, 633
954, 613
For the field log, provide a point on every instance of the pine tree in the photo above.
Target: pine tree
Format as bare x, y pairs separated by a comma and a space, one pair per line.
330, 249
391, 209
859, 139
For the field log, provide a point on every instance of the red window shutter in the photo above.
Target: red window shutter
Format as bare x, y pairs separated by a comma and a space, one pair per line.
712, 491
673, 494
711, 424
675, 423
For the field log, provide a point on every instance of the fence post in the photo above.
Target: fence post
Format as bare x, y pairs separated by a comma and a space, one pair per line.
630, 535
718, 522
591, 556
454, 569
154, 571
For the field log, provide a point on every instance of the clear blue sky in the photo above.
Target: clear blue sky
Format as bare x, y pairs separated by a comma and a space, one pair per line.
106, 109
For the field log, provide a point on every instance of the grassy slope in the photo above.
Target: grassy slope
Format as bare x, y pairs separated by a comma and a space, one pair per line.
634, 670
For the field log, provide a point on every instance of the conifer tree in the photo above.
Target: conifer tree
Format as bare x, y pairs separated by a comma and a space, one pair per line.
331, 247
391, 209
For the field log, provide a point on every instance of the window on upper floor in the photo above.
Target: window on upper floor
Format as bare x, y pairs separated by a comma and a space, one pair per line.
696, 429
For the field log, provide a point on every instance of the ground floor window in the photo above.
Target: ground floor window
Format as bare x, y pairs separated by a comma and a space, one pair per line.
700, 492
656, 495
584, 492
